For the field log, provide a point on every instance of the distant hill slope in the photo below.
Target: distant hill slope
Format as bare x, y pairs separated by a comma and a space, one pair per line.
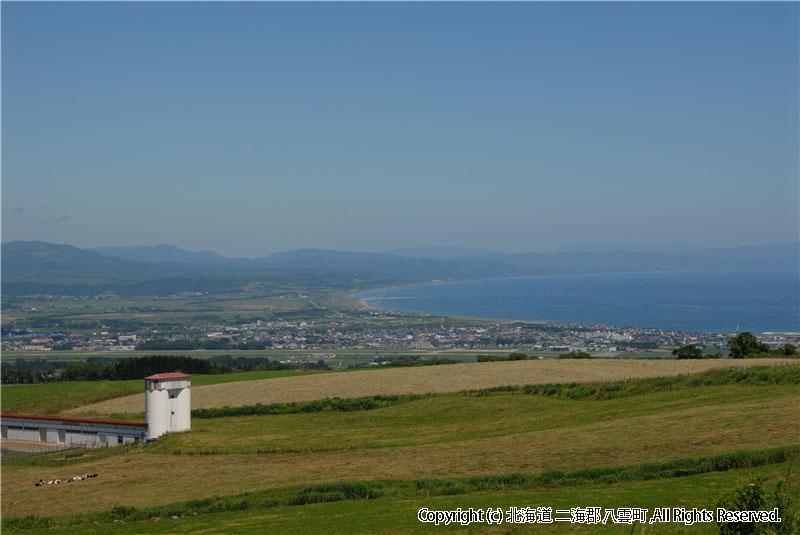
40, 257
160, 254
40, 267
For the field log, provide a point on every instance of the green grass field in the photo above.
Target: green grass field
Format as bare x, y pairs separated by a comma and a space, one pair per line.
399, 513
455, 418
420, 453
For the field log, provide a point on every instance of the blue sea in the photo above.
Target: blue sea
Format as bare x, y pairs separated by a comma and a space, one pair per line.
685, 301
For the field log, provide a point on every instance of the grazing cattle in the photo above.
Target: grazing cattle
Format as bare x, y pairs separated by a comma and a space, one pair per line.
58, 481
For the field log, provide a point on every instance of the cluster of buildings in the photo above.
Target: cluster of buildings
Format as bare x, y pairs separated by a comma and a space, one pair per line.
27, 341
351, 334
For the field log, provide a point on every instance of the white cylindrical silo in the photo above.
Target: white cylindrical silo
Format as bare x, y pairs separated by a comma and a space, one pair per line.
156, 409
167, 403
183, 408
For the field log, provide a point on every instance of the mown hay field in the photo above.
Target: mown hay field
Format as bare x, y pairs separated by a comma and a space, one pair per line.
392, 515
428, 379
445, 436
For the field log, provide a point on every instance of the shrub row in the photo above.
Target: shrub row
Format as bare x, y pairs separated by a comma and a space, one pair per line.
405, 361
503, 358
759, 375
327, 404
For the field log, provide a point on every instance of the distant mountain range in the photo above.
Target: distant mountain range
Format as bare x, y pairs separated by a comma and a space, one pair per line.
44, 257
51, 268
164, 254
442, 253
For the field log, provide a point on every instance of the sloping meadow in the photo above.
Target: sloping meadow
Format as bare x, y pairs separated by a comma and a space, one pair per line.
468, 434
425, 380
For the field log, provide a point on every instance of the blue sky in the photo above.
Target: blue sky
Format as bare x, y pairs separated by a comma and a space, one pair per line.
251, 128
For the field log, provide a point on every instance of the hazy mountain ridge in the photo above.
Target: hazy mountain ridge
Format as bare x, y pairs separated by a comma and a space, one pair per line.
38, 256
163, 254
41, 267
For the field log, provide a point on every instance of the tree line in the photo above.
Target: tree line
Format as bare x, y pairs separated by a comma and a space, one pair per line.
102, 370
404, 361
742, 346
502, 358
522, 356
107, 369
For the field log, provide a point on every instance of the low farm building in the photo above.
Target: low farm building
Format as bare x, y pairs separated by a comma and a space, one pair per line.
168, 409
77, 431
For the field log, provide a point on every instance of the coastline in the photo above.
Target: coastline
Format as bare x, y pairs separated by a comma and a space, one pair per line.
367, 303
757, 323
356, 295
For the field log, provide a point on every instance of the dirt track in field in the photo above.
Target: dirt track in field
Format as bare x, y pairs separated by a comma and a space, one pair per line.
426, 379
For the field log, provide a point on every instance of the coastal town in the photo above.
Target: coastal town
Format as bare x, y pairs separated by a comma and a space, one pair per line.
367, 332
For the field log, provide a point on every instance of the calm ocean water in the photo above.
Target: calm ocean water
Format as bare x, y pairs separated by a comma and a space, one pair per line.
687, 301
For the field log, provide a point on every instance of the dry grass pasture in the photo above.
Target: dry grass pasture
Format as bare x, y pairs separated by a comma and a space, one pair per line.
451, 435
428, 379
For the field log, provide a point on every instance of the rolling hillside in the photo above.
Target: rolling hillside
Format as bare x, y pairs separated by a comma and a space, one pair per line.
429, 379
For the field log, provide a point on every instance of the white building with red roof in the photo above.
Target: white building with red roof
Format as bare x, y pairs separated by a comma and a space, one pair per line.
167, 409
76, 431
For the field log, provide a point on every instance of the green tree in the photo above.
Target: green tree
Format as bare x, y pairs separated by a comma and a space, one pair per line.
575, 355
746, 345
689, 351
788, 350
